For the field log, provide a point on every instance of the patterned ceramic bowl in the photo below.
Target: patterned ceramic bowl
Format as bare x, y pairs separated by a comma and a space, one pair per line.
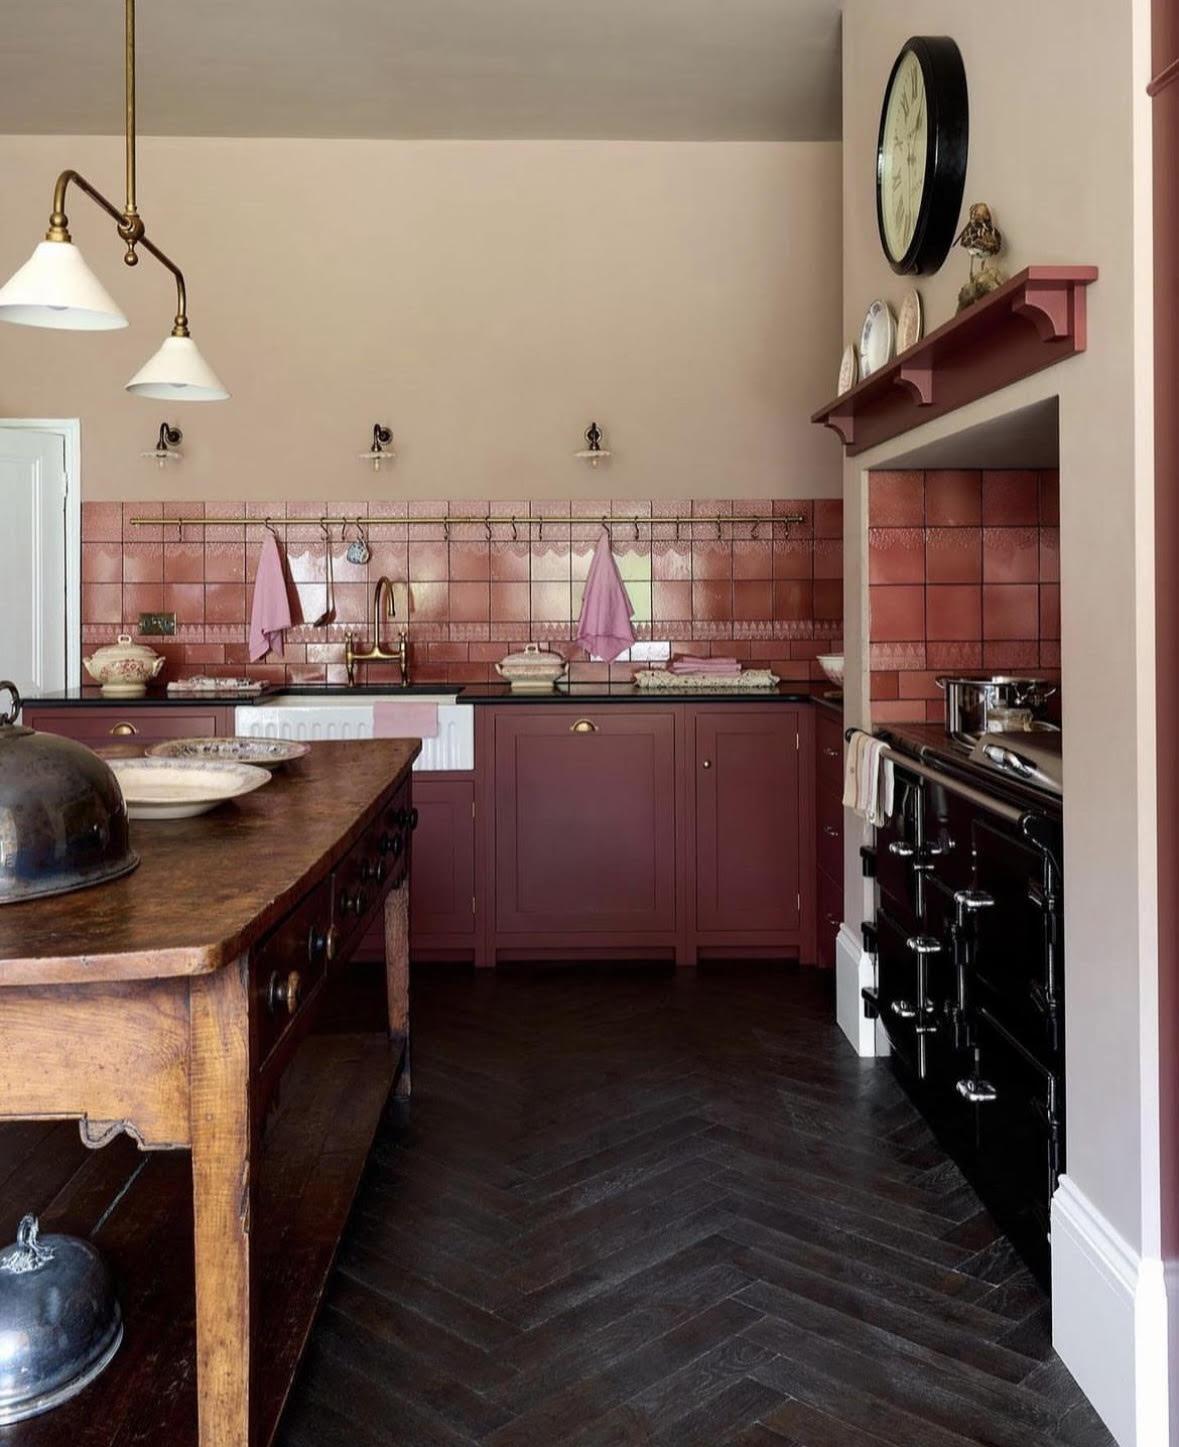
124, 668
266, 753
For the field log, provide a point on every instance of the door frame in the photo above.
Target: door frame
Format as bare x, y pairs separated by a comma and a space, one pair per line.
69, 429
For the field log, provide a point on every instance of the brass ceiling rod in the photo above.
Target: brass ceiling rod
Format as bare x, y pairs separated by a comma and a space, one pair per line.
713, 519
128, 221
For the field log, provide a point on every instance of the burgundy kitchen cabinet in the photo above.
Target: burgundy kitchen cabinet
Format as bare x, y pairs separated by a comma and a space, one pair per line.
750, 802
585, 843
829, 745
442, 882
100, 725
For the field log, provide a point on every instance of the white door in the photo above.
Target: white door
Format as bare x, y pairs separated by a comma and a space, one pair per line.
33, 625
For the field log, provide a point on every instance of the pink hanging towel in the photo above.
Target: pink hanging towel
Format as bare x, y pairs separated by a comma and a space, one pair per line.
604, 629
272, 608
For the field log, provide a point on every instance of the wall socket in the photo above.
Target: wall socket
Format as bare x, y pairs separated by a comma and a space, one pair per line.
159, 625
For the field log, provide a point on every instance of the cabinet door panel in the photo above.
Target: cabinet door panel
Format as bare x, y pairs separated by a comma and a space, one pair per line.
585, 821
747, 819
442, 878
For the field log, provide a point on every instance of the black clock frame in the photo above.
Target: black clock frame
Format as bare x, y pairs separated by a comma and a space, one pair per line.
945, 161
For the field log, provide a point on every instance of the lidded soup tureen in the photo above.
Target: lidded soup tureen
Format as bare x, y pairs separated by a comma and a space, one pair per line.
124, 668
533, 670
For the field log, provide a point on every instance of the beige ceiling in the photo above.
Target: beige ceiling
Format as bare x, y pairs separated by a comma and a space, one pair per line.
603, 69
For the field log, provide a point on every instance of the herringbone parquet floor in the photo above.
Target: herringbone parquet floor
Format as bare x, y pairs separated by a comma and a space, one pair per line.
634, 1206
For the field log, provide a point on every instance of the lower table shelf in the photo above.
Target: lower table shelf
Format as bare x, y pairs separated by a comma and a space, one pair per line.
314, 1151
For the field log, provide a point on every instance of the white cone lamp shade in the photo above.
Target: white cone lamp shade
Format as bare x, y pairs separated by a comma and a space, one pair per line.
55, 288
178, 373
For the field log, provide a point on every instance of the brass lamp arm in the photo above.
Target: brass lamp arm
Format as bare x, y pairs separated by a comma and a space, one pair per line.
131, 230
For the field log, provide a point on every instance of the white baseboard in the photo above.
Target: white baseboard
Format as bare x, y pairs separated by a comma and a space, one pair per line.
1109, 1319
855, 970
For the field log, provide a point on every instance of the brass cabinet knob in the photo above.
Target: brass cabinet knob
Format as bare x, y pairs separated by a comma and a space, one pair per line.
121, 730
707, 764
583, 726
830, 753
831, 831
284, 992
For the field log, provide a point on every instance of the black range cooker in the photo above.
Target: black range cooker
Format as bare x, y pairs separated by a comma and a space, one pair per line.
969, 944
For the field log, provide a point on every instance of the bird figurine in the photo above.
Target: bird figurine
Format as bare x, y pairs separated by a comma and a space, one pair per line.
983, 240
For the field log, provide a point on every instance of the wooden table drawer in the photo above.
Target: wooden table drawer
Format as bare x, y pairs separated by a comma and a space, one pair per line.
288, 965
378, 862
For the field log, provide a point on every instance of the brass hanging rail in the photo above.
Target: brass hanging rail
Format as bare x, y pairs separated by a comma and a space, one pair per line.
471, 519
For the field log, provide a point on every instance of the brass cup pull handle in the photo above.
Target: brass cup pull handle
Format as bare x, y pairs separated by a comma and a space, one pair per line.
284, 992
121, 730
923, 944
831, 831
830, 753
583, 726
902, 849
978, 1092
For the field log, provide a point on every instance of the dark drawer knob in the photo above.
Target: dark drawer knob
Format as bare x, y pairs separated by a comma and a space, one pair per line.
372, 871
322, 943
978, 1092
284, 992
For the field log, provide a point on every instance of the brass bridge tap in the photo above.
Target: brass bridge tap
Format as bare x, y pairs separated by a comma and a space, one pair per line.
376, 653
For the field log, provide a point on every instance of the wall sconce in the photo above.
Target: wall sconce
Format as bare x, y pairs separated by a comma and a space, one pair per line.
593, 452
167, 448
382, 449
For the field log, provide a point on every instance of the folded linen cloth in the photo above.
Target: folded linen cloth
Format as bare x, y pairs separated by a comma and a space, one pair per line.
393, 719
271, 612
688, 665
868, 781
604, 628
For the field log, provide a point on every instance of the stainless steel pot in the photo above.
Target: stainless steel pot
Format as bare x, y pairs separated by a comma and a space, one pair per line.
63, 822
968, 700
60, 1322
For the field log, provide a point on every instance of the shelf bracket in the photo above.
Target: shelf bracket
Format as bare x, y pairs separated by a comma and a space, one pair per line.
1049, 306
917, 378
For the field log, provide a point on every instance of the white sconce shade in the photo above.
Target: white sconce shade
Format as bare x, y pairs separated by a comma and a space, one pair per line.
55, 288
177, 373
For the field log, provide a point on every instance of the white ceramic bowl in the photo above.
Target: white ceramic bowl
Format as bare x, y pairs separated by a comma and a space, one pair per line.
182, 788
832, 666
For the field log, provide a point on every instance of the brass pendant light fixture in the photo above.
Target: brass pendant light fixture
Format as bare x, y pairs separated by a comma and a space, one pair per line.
55, 287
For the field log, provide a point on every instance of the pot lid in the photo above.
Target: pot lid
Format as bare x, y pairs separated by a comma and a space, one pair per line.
63, 821
124, 647
60, 1322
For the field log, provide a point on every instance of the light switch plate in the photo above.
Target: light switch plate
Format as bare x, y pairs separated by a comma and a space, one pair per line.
159, 625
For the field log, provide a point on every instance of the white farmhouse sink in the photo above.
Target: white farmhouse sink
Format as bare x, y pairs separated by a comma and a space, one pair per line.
350, 716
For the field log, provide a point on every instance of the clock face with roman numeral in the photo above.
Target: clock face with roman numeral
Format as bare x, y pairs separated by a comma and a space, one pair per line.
921, 154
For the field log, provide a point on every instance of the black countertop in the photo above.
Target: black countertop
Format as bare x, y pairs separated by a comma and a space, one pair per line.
472, 693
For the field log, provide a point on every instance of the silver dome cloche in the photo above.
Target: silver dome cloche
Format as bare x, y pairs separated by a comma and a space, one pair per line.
60, 1321
63, 821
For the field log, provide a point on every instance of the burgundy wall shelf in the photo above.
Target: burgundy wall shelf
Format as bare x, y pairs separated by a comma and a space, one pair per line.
1032, 321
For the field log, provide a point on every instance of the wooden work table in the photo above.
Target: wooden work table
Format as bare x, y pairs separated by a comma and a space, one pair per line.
195, 1005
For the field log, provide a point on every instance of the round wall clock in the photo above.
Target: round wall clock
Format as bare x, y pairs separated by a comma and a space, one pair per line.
921, 154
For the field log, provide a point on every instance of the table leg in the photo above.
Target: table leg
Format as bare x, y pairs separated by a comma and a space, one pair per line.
397, 974
223, 1198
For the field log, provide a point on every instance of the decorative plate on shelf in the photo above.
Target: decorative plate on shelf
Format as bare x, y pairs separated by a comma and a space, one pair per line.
266, 753
909, 322
182, 788
848, 369
877, 339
